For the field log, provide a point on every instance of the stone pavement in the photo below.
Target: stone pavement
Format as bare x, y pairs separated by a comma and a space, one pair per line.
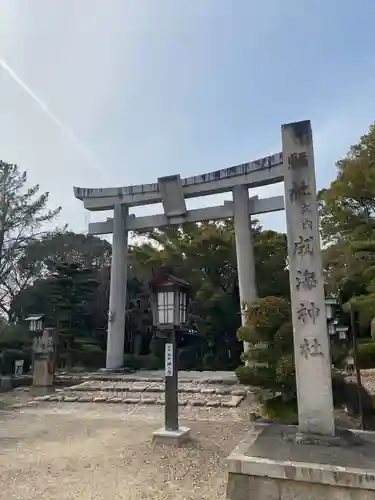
226, 377
211, 389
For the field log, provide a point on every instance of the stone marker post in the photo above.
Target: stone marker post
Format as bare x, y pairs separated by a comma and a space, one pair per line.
44, 358
312, 462
311, 343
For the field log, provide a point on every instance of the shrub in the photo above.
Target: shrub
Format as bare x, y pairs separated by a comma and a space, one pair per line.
338, 354
372, 328
145, 361
15, 337
244, 375
151, 362
278, 409
157, 347
88, 355
28, 359
132, 362
366, 355
345, 393
188, 357
270, 357
364, 340
8, 358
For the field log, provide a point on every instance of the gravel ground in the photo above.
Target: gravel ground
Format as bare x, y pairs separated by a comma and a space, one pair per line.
57, 451
99, 451
368, 379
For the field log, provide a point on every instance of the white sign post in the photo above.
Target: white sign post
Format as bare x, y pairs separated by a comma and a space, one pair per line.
171, 384
168, 359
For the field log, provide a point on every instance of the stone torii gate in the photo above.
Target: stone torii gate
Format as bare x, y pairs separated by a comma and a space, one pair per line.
295, 167
171, 191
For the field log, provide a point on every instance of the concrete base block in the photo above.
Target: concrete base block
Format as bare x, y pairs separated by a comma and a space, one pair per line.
271, 463
175, 438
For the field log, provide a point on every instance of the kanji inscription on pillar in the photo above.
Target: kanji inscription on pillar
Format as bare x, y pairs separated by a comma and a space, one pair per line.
305, 280
305, 208
168, 359
298, 160
308, 311
311, 343
310, 348
307, 224
299, 191
304, 245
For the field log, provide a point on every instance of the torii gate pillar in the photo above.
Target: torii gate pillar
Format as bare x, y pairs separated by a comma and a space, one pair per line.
244, 250
117, 294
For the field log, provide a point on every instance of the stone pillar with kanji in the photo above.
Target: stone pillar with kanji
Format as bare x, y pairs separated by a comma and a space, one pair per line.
311, 342
44, 358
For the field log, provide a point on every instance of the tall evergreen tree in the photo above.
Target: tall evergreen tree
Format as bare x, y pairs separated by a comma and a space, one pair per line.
71, 290
23, 216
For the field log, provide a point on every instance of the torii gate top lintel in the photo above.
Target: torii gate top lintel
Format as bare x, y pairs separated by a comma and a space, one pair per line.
268, 170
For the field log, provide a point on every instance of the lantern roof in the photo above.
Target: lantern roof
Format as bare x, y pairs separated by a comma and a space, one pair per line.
35, 317
164, 278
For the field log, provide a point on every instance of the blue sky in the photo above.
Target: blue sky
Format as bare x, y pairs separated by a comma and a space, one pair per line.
155, 87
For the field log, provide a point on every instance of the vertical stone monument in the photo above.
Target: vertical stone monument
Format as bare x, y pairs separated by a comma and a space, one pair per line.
311, 342
311, 461
44, 358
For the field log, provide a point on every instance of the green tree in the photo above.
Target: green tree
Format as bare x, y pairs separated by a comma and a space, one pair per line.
23, 214
270, 248
71, 290
347, 207
47, 252
205, 255
138, 321
270, 360
88, 252
347, 211
270, 364
360, 293
68, 247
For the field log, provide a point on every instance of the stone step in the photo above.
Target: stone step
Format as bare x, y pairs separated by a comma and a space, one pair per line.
131, 379
192, 399
217, 378
158, 387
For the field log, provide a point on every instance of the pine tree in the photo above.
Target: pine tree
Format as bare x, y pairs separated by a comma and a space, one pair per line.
269, 333
23, 213
72, 288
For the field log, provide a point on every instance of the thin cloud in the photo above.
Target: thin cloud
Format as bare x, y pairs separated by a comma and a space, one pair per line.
43, 106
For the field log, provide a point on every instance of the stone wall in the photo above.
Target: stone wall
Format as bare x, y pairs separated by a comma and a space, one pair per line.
244, 487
